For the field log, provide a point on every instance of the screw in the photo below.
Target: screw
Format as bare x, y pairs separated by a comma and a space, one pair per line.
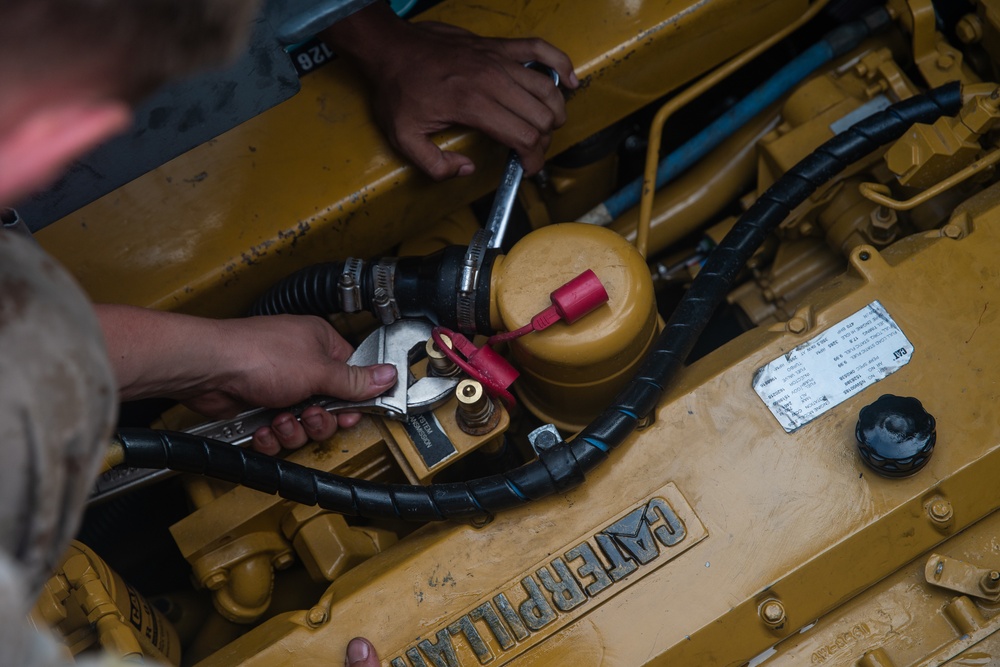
945, 61
216, 580
990, 583
797, 325
772, 612
316, 616
864, 255
940, 510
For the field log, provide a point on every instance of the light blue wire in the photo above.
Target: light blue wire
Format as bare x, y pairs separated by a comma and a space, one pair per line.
723, 127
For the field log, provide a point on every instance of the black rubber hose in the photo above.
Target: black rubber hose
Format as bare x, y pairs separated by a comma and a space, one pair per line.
422, 287
310, 291
565, 466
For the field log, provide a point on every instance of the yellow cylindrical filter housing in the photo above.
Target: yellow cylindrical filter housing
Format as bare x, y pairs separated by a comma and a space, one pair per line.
569, 373
88, 603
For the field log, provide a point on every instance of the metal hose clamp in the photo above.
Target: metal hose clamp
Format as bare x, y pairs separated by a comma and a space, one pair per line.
471, 265
349, 286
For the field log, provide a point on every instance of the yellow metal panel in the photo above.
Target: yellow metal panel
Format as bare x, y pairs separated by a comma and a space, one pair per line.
794, 517
313, 179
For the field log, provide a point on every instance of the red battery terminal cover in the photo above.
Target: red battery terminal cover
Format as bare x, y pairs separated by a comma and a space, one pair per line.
482, 364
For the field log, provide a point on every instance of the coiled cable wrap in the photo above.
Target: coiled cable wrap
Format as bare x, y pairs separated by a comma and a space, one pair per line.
566, 465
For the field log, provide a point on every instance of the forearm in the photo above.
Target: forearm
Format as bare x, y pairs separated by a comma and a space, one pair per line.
162, 354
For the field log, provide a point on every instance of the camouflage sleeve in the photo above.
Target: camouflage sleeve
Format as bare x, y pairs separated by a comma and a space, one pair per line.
57, 406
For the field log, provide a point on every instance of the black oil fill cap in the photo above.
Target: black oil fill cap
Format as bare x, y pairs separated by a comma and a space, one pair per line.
896, 435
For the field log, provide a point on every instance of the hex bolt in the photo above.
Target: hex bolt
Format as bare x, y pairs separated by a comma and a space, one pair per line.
772, 612
940, 510
952, 231
546, 440
316, 616
883, 225
990, 583
797, 325
216, 580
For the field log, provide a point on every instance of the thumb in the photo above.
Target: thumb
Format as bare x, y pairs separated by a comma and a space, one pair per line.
355, 383
436, 163
360, 653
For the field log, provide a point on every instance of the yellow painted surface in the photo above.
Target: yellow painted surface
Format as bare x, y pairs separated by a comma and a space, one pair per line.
313, 179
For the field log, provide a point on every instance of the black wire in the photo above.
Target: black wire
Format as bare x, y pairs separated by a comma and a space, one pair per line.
565, 466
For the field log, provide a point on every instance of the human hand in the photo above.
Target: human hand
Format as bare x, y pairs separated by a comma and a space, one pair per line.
281, 360
222, 367
360, 653
429, 76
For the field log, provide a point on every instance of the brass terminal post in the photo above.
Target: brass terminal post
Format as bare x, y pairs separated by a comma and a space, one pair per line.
476, 414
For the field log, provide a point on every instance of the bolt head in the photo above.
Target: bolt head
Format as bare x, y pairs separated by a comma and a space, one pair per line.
990, 582
316, 616
952, 231
216, 580
773, 613
969, 29
283, 561
797, 325
940, 510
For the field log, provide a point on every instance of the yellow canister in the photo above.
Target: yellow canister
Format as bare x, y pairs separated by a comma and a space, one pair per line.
569, 373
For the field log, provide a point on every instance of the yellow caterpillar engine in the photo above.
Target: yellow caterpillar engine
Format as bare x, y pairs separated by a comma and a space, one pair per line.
723, 396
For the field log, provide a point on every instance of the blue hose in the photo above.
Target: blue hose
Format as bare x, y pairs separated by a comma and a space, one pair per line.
834, 44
